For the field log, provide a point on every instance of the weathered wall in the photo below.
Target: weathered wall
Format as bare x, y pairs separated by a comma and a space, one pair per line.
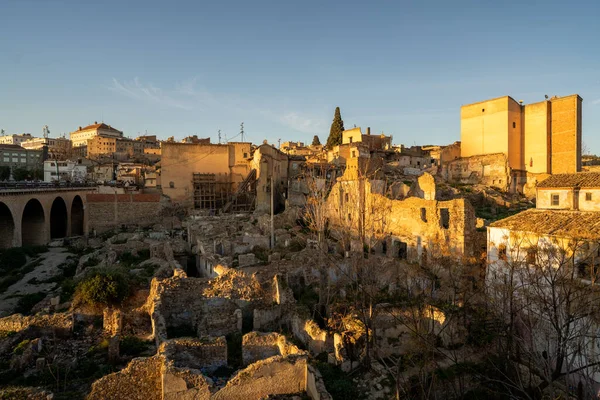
18, 322
565, 196
206, 354
107, 211
276, 375
490, 170
314, 338
445, 226
140, 380
592, 204
566, 134
259, 346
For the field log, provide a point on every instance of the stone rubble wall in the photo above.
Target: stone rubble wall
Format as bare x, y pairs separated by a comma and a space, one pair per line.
50, 323
140, 380
207, 354
317, 340
275, 375
259, 346
185, 383
315, 387
489, 170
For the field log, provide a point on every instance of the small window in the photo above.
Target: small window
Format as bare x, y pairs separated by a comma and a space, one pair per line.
555, 199
349, 217
424, 214
588, 197
346, 197
531, 256
514, 125
502, 252
353, 154
171, 184
483, 110
350, 139
445, 218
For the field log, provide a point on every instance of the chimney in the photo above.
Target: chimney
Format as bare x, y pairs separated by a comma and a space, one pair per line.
368, 130
95, 122
79, 128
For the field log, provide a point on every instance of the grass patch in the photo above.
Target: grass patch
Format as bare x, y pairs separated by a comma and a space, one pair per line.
20, 348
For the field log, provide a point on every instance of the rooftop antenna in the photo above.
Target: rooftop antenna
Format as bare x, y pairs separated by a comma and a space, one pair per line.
45, 131
242, 130
1, 132
279, 143
546, 96
219, 136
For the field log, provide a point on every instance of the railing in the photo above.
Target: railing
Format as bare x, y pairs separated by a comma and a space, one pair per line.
34, 186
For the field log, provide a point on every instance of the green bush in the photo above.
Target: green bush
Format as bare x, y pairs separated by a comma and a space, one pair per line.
103, 288
67, 288
28, 301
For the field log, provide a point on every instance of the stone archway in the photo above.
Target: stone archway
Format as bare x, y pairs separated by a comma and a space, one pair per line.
7, 227
33, 229
77, 215
58, 219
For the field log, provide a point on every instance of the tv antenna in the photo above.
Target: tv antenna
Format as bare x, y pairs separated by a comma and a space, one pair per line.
242, 130
219, 136
1, 132
45, 131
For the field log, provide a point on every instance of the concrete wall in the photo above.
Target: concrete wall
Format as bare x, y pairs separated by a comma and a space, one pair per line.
566, 134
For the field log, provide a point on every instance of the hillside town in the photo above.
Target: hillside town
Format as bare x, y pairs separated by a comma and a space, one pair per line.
353, 268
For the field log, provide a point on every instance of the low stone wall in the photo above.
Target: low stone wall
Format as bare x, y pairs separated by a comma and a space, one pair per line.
276, 375
140, 380
106, 211
180, 383
259, 346
50, 323
206, 354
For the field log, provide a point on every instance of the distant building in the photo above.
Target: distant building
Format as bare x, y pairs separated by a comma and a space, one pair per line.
203, 176
12, 155
57, 147
540, 138
195, 140
373, 142
70, 171
119, 147
16, 138
81, 136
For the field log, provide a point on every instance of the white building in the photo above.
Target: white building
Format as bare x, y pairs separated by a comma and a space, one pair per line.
16, 138
70, 171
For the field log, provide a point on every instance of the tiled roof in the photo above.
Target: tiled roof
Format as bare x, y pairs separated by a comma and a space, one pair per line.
582, 179
560, 223
100, 126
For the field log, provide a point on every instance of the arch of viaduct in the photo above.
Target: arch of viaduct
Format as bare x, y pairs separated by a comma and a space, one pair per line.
36, 217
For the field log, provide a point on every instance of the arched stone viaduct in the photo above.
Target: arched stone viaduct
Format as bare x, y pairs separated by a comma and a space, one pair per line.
35, 217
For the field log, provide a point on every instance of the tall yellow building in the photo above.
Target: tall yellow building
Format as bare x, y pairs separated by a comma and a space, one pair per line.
542, 137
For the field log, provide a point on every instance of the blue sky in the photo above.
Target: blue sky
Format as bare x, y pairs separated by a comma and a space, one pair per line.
192, 67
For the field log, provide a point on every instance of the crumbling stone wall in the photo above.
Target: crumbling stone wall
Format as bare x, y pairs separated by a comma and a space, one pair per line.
140, 380
50, 323
179, 302
206, 354
490, 170
184, 383
308, 332
259, 346
276, 375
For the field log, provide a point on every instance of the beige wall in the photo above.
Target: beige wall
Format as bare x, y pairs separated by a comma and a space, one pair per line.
566, 134
537, 138
544, 198
515, 135
180, 161
589, 205
353, 133
484, 127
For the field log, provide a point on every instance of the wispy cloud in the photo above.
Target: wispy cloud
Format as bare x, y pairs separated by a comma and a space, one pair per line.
595, 102
135, 89
189, 95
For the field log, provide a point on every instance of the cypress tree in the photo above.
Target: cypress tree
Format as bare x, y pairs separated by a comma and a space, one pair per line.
316, 141
337, 127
